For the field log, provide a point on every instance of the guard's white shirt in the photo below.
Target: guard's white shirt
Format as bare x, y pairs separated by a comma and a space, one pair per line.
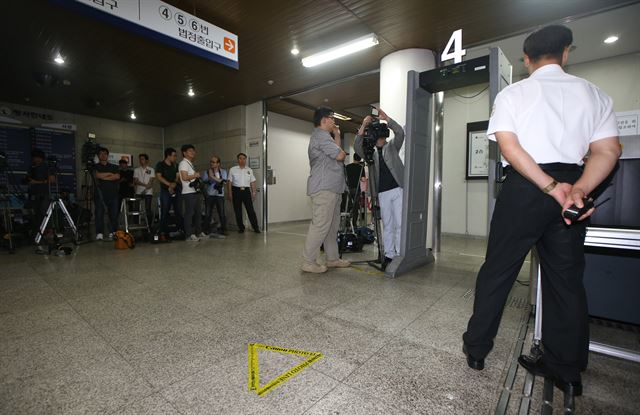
555, 115
144, 175
241, 177
186, 165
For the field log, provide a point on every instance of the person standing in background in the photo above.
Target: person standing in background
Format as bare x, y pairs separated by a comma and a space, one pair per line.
143, 177
215, 178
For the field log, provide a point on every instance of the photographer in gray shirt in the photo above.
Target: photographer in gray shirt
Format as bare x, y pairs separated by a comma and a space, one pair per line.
389, 179
325, 186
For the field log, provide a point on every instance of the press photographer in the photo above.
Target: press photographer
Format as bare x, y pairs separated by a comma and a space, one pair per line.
325, 186
143, 177
215, 179
191, 187
371, 144
106, 194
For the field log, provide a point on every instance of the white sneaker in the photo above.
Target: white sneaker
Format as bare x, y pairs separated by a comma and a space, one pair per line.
112, 236
202, 235
99, 237
193, 238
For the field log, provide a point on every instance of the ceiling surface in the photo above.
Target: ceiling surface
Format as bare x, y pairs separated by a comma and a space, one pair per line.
109, 71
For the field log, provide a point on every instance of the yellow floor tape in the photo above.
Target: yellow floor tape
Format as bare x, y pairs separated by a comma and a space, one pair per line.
254, 376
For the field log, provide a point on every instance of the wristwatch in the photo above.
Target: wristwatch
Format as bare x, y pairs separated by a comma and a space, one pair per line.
548, 188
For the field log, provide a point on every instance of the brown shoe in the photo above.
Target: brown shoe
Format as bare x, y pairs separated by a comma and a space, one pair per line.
313, 268
338, 263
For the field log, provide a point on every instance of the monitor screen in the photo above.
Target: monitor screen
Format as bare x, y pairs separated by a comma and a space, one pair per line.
622, 189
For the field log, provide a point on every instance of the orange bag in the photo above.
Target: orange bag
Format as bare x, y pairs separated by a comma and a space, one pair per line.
124, 240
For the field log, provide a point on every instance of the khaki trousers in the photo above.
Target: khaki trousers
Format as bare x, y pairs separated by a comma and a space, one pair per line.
323, 229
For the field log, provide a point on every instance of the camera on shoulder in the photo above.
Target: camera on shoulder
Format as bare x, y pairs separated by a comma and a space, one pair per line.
372, 133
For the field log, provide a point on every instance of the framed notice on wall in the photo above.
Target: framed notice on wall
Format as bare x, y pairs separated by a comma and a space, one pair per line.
477, 150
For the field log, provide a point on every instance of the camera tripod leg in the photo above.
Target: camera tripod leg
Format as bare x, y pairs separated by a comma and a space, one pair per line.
45, 222
67, 216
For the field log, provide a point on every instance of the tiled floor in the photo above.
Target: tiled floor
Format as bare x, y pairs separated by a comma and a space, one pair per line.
163, 329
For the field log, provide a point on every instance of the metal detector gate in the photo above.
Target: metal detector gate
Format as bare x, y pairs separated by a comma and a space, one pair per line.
425, 114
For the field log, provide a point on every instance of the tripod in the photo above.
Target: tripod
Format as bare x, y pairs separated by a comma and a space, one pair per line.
375, 212
56, 203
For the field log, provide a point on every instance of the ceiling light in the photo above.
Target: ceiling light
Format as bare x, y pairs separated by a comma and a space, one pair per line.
341, 117
132, 115
339, 51
190, 92
611, 39
59, 59
295, 51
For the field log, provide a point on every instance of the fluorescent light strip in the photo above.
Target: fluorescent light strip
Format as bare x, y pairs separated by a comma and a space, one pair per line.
339, 51
341, 117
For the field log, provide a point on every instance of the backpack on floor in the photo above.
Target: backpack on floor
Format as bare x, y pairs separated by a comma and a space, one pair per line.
124, 240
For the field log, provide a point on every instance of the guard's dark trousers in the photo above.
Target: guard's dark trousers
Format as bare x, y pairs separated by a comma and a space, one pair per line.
523, 217
243, 196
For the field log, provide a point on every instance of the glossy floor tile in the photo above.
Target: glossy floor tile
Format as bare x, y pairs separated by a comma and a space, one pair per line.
164, 329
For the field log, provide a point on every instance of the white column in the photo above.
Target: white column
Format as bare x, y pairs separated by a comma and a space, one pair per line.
393, 79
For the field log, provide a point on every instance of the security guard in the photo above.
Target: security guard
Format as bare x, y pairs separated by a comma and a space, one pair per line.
544, 126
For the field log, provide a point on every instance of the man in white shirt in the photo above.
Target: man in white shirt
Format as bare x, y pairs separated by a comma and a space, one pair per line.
544, 126
191, 195
143, 179
242, 190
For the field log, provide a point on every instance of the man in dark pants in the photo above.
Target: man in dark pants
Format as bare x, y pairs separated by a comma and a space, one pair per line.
544, 126
191, 194
106, 194
355, 175
167, 175
242, 190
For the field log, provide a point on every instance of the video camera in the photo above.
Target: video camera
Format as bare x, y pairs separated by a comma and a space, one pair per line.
89, 150
372, 133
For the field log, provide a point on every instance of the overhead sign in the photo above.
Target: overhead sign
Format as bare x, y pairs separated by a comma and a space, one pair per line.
168, 24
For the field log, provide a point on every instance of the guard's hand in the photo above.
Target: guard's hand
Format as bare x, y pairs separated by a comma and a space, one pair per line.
560, 193
576, 197
383, 115
336, 130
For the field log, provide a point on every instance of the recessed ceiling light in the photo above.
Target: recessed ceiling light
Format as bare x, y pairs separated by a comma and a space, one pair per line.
270, 82
611, 39
59, 59
132, 115
295, 51
190, 92
341, 117
339, 51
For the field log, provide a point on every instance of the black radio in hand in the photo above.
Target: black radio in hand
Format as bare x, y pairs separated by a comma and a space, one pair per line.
573, 212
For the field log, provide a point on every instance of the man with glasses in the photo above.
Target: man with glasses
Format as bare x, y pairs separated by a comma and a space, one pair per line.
215, 178
325, 186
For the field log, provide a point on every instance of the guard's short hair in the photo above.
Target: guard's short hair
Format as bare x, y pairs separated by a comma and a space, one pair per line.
186, 147
146, 156
102, 149
356, 157
169, 151
241, 154
548, 42
320, 113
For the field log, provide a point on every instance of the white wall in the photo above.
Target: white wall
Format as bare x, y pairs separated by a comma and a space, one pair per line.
288, 140
464, 203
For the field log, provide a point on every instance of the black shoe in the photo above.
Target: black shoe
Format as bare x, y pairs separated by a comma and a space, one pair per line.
385, 262
240, 230
257, 231
477, 364
536, 367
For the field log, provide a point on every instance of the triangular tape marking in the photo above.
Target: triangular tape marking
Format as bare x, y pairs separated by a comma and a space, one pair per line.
254, 374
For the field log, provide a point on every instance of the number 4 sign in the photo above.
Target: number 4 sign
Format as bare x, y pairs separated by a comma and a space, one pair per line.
454, 50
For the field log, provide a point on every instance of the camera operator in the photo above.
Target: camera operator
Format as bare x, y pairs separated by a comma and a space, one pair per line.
38, 179
143, 178
215, 178
106, 194
241, 181
325, 186
389, 176
191, 193
167, 175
